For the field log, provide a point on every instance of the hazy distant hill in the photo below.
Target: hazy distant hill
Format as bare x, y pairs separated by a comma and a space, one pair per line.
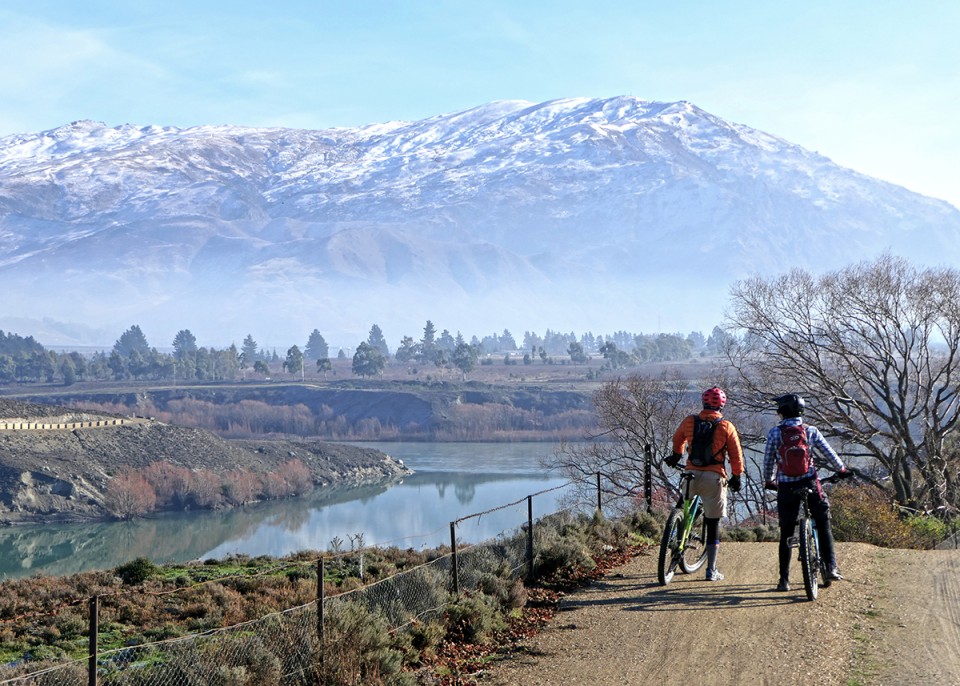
583, 215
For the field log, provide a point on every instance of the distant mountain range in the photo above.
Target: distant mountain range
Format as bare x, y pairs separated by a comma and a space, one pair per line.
575, 215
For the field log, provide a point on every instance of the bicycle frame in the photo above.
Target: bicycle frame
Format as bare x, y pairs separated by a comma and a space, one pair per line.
691, 506
678, 542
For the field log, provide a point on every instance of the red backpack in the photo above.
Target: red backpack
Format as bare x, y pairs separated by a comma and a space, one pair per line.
794, 458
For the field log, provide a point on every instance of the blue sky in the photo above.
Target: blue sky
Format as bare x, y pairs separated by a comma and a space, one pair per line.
873, 85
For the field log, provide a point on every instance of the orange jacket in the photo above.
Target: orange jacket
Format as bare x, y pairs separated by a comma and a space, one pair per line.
726, 443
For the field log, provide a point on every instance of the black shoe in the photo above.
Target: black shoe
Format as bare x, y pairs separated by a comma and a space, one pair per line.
784, 585
834, 574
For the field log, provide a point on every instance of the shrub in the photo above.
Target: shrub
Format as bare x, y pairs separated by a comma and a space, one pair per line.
260, 665
425, 637
739, 534
862, 512
474, 619
129, 495
763, 532
517, 595
357, 647
563, 543
495, 586
928, 531
298, 573
136, 571
646, 525
563, 552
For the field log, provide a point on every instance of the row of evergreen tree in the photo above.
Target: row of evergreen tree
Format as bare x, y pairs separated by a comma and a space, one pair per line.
24, 359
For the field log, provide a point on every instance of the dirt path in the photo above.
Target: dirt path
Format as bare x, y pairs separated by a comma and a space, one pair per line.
894, 621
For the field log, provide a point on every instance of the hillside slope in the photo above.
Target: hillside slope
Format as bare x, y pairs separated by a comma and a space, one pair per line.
416, 411
61, 474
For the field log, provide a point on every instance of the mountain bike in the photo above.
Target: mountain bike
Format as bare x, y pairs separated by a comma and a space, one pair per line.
807, 539
684, 536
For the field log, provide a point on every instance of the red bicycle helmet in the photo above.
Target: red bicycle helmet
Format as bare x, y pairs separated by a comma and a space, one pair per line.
714, 398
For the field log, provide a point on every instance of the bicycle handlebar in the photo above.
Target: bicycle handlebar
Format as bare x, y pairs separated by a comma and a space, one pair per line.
832, 478
836, 476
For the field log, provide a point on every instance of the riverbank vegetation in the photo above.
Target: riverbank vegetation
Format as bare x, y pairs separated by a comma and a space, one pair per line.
141, 605
162, 485
463, 421
45, 620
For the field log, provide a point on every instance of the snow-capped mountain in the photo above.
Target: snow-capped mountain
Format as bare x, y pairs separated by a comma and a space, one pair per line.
576, 215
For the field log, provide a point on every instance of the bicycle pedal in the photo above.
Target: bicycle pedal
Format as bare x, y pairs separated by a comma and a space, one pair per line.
793, 541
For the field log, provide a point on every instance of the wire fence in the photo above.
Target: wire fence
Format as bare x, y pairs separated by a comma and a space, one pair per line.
951, 542
305, 644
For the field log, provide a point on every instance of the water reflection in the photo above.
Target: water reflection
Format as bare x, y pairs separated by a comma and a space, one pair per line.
414, 512
71, 548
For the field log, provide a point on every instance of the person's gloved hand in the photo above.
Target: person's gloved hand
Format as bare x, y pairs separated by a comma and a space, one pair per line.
734, 482
673, 460
845, 473
770, 485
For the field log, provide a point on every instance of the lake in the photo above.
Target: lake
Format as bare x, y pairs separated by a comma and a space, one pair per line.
451, 480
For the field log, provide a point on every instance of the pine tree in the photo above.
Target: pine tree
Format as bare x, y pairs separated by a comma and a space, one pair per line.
249, 350
376, 340
316, 348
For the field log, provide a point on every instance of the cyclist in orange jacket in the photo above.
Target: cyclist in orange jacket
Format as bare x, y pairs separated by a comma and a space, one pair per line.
710, 481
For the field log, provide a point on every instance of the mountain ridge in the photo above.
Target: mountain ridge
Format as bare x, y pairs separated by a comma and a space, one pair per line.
585, 214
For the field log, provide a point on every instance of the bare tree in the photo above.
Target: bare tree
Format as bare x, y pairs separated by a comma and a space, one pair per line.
632, 413
875, 348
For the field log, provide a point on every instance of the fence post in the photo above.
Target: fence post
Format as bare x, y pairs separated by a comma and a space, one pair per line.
530, 537
648, 476
453, 558
94, 631
599, 503
320, 618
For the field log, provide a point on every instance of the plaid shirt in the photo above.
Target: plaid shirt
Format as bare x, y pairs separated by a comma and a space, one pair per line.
814, 438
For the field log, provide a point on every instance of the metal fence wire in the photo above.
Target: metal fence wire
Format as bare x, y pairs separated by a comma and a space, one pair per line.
303, 646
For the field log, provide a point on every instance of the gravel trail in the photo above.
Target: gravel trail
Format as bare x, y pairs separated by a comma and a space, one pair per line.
894, 620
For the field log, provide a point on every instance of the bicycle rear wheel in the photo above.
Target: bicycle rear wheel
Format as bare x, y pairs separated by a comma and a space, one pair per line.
694, 553
809, 558
670, 547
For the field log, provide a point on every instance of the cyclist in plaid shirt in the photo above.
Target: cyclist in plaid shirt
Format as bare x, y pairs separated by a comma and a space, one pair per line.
788, 488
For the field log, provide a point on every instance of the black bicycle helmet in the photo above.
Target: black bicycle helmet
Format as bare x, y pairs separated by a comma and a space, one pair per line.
789, 405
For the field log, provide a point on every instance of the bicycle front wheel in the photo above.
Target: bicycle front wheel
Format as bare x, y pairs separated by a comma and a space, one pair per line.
809, 558
670, 547
825, 579
694, 553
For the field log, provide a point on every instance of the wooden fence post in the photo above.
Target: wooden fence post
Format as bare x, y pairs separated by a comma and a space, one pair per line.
530, 537
648, 476
94, 631
320, 618
453, 558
